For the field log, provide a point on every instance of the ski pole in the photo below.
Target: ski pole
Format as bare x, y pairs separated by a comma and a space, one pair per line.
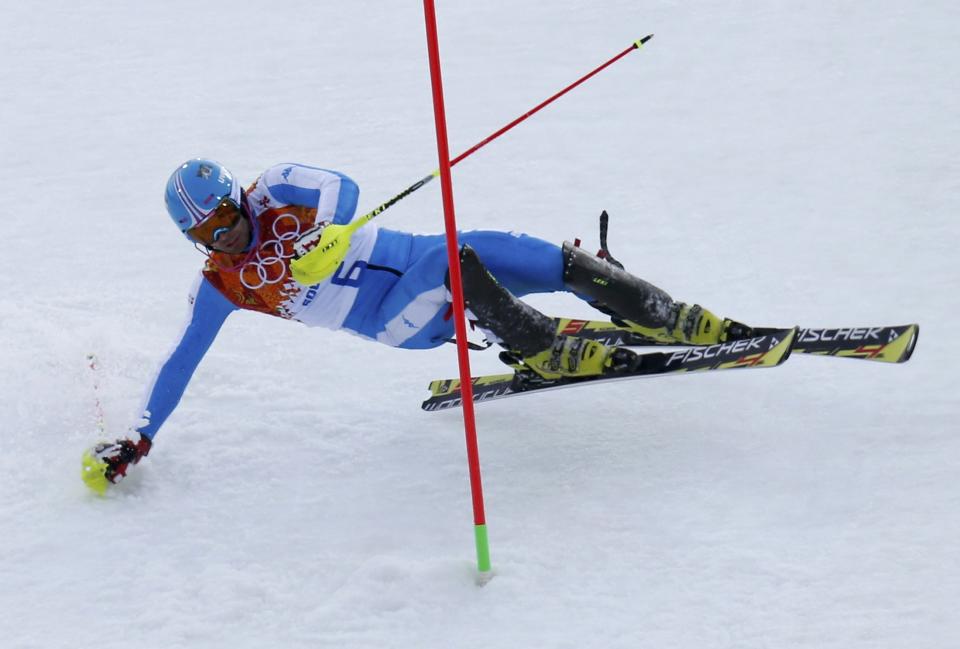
320, 251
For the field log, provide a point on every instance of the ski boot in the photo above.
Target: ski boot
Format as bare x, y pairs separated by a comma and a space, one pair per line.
572, 357
529, 335
641, 306
693, 325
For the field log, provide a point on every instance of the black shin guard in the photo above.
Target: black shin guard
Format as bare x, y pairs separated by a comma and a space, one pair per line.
522, 328
614, 288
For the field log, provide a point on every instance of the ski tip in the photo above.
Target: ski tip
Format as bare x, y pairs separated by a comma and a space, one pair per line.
640, 42
774, 346
910, 337
781, 342
785, 347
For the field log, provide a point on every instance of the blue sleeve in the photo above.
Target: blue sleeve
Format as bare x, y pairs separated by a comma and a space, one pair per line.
209, 310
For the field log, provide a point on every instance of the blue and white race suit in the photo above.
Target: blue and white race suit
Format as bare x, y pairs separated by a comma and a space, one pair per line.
390, 288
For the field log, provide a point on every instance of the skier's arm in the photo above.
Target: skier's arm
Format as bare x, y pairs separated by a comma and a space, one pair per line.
208, 311
333, 194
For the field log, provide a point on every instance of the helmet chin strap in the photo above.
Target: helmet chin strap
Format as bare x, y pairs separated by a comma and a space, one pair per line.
254, 226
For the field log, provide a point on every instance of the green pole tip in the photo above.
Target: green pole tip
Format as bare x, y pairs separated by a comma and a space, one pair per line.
483, 548
643, 40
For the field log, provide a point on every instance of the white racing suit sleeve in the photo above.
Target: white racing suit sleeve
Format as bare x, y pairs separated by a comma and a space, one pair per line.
332, 193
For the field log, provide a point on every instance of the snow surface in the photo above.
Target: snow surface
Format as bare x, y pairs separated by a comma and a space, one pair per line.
779, 162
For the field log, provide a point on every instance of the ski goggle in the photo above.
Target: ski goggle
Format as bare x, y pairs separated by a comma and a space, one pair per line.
224, 218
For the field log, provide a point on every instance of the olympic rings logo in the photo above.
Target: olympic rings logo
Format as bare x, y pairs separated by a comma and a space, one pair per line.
269, 264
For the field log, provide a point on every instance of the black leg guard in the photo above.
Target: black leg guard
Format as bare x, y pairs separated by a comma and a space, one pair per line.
531, 336
522, 328
614, 288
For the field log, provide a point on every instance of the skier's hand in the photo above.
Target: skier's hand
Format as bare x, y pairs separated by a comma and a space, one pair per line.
108, 462
320, 251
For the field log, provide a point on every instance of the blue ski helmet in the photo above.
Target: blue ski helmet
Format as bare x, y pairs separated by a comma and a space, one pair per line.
195, 189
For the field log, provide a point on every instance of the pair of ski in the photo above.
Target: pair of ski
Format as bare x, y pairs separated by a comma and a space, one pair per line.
768, 348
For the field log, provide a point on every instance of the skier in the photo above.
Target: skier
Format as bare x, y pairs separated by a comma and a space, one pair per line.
393, 287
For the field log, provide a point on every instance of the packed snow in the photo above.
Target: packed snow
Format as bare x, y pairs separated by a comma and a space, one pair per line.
781, 163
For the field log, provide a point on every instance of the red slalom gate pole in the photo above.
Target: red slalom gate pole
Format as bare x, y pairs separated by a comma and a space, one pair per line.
456, 286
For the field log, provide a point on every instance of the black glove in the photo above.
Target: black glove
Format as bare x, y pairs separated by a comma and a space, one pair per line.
120, 454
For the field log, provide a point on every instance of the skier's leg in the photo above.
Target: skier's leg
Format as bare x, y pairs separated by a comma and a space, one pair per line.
530, 335
650, 309
415, 312
522, 264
